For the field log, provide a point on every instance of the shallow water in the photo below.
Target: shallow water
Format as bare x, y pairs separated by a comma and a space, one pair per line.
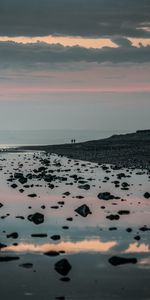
87, 243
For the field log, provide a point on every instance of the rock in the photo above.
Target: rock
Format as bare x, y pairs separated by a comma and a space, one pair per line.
26, 265
63, 267
83, 210
2, 246
116, 260
129, 229
113, 217
23, 180
123, 212
112, 228
8, 258
66, 193
106, 196
144, 228
147, 195
55, 237
65, 279
84, 187
39, 235
32, 195
13, 235
20, 217
36, 218
69, 219
1, 205
137, 238
14, 185
51, 253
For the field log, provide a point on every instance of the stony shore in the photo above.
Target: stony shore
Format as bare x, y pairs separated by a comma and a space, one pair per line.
125, 150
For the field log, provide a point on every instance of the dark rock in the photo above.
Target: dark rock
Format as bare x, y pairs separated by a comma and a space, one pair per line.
66, 193
54, 207
2, 246
14, 185
112, 228
147, 195
65, 227
113, 217
144, 228
116, 260
20, 217
23, 180
13, 235
63, 267
69, 219
65, 279
39, 235
32, 195
8, 258
137, 238
84, 187
36, 218
55, 237
83, 210
129, 229
123, 212
26, 265
51, 253
106, 196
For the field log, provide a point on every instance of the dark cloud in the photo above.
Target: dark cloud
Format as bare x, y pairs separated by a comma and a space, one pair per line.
75, 17
42, 55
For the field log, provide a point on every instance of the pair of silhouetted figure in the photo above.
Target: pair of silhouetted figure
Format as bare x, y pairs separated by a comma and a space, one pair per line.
73, 141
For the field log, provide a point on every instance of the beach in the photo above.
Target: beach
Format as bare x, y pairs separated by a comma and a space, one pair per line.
73, 229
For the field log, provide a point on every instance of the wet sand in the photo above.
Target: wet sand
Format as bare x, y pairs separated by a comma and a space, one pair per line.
73, 229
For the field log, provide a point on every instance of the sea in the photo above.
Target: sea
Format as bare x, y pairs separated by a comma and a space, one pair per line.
14, 138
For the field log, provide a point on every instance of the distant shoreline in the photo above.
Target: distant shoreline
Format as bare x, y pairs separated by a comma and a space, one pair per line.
123, 150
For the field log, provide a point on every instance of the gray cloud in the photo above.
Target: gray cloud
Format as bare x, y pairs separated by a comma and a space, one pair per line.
75, 17
42, 55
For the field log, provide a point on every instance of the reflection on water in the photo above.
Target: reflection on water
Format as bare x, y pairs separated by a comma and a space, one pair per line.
88, 242
137, 248
69, 247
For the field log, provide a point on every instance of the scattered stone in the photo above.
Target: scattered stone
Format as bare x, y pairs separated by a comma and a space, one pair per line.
51, 253
63, 267
26, 265
137, 238
123, 212
13, 235
36, 218
84, 187
129, 229
113, 217
32, 195
39, 235
83, 210
65, 279
116, 260
14, 185
55, 237
147, 195
106, 196
8, 258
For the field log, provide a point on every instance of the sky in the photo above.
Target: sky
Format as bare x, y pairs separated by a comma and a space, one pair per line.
74, 64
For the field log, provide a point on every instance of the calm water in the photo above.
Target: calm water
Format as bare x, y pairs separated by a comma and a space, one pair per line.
87, 243
44, 137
